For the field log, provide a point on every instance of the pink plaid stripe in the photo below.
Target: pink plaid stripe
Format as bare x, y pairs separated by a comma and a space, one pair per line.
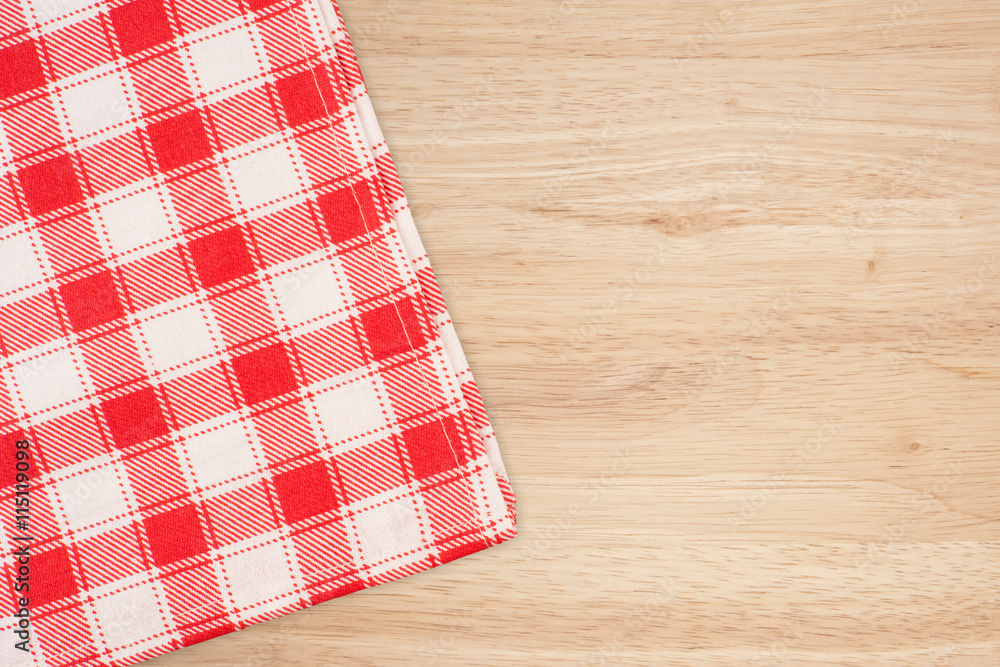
219, 330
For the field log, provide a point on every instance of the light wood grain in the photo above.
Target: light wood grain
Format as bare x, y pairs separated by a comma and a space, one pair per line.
729, 277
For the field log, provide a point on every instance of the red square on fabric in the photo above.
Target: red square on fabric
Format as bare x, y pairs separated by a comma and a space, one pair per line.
221, 257
264, 374
175, 535
300, 98
50, 185
179, 140
134, 418
140, 25
51, 577
91, 301
392, 329
22, 69
348, 213
9, 458
432, 447
305, 492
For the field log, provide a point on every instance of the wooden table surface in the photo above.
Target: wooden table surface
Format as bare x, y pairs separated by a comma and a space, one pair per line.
727, 274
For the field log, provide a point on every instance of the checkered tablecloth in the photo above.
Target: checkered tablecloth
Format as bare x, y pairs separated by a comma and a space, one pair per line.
228, 375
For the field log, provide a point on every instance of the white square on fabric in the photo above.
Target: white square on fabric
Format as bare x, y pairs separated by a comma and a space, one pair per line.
129, 616
264, 176
224, 60
19, 264
135, 221
92, 496
221, 455
350, 410
309, 292
48, 381
178, 337
11, 656
49, 10
257, 575
95, 105
389, 530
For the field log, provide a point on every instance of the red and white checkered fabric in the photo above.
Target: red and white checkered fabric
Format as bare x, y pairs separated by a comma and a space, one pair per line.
219, 332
